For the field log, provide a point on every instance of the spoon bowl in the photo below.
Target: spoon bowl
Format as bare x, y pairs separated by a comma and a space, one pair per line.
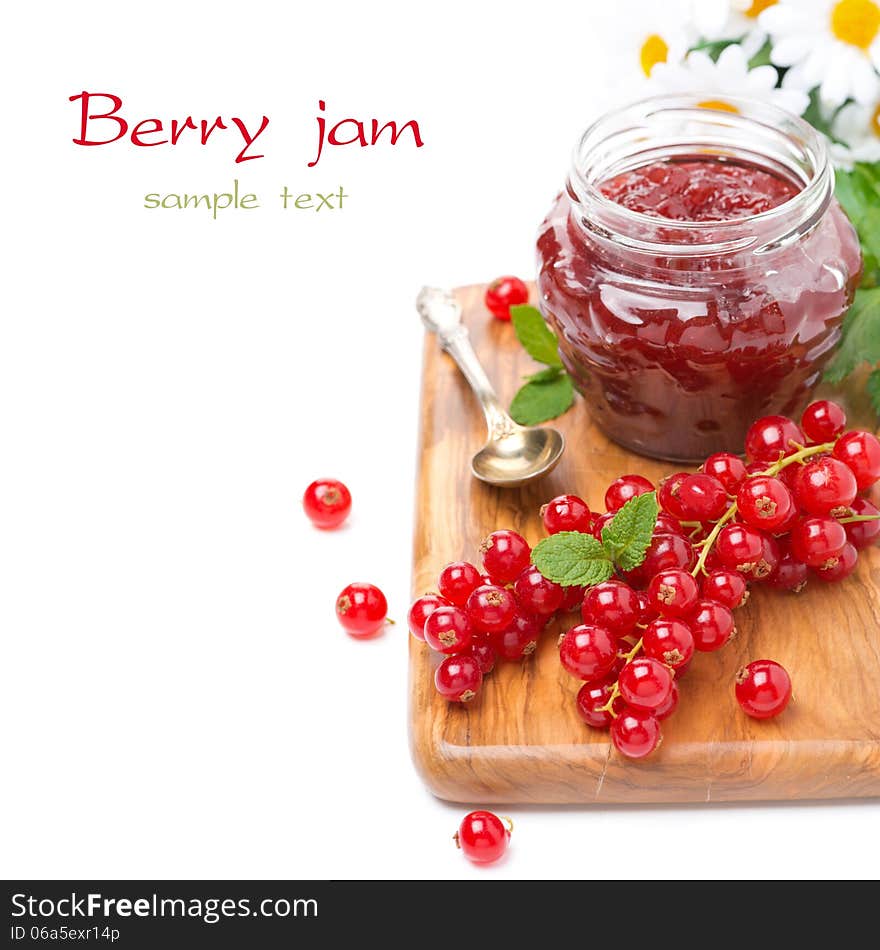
515, 459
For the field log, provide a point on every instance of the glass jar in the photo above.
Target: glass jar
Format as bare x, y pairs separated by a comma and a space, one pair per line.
682, 322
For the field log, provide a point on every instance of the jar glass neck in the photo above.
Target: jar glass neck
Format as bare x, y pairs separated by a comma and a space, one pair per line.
677, 128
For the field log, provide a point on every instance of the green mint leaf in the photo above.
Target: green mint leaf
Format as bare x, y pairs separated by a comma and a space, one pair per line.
546, 375
572, 559
873, 387
861, 336
537, 401
537, 339
627, 536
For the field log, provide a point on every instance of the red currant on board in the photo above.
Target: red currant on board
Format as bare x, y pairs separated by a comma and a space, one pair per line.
739, 547
574, 597
622, 489
863, 534
861, 452
448, 630
505, 555
726, 587
566, 513
729, 469
484, 653
825, 486
768, 562
458, 581
504, 293
772, 437
588, 652
421, 609
483, 837
458, 678
645, 683
763, 689
327, 503
673, 593
823, 421
590, 699
361, 609
491, 608
816, 541
668, 495
665, 552
665, 710
712, 625
635, 733
764, 502
537, 595
612, 605
791, 574
836, 568
519, 639
702, 497
669, 641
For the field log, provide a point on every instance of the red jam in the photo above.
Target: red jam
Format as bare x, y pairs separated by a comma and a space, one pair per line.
676, 355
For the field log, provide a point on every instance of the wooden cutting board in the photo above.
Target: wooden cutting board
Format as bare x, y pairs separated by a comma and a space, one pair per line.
521, 740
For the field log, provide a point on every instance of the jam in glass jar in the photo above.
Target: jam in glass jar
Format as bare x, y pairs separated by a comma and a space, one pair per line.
696, 270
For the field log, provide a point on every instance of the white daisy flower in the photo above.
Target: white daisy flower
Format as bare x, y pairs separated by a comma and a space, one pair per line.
832, 44
662, 35
731, 20
859, 127
729, 77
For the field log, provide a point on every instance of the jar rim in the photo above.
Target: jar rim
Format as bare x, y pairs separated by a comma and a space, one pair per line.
798, 151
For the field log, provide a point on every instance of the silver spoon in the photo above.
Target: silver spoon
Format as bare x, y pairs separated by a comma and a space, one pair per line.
512, 455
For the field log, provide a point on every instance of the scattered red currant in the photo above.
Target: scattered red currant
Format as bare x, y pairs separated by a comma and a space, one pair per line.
825, 486
816, 541
861, 452
840, 566
537, 595
588, 652
726, 587
673, 593
505, 555
645, 683
728, 469
483, 837
327, 503
566, 513
635, 733
669, 641
712, 625
764, 502
484, 653
519, 639
458, 581
448, 630
791, 574
421, 609
863, 534
591, 698
763, 689
665, 710
504, 293
701, 497
772, 437
622, 489
823, 421
361, 609
612, 605
491, 608
458, 678
739, 547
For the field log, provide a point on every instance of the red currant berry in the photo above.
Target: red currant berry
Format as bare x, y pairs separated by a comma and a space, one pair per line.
757, 468
613, 605
458, 581
825, 486
668, 495
768, 562
863, 534
836, 568
791, 574
591, 697
712, 625
504, 293
491, 608
645, 683
772, 437
665, 552
484, 653
448, 630
669, 641
728, 469
574, 597
726, 587
739, 547
646, 611
600, 523
588, 652
763, 689
823, 421
622, 489
519, 639
666, 524
537, 595
458, 678
483, 837
505, 555
702, 497
669, 707
861, 452
635, 733
327, 503
816, 541
764, 502
566, 513
361, 609
673, 593
421, 609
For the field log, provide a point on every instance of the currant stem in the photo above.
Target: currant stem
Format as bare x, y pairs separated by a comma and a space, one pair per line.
853, 519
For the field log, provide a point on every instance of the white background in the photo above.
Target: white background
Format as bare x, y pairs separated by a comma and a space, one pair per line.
177, 699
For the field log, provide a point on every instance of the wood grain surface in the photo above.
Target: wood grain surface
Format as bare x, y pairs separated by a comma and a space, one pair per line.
521, 740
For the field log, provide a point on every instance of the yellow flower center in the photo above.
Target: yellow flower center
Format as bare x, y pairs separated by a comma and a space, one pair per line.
654, 50
875, 122
856, 22
758, 7
717, 104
